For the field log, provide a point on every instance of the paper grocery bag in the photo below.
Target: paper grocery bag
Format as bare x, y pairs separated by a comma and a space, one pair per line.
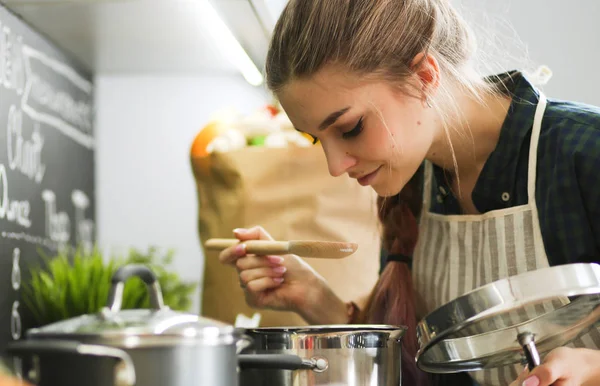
290, 193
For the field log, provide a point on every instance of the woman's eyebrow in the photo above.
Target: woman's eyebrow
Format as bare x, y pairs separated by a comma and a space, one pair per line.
331, 118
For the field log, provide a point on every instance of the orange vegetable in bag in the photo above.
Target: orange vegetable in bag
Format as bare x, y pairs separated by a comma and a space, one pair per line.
204, 138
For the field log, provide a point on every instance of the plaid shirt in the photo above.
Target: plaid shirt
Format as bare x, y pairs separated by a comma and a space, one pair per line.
568, 171
567, 186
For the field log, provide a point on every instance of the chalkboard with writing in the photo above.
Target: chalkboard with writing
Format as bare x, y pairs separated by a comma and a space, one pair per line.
46, 160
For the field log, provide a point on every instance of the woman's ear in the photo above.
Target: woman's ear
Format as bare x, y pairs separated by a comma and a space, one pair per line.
427, 70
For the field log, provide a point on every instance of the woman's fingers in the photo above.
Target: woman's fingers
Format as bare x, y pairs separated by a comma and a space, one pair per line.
262, 284
251, 262
254, 233
232, 254
257, 272
250, 275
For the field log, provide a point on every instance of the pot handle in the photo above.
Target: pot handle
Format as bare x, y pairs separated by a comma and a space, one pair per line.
115, 297
242, 344
281, 362
124, 372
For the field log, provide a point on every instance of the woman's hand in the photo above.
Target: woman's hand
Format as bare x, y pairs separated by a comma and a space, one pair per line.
285, 283
564, 367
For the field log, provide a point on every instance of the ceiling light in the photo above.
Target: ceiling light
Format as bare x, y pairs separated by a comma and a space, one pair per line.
228, 44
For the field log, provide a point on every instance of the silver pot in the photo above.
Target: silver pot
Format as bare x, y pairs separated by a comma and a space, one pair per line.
353, 354
153, 347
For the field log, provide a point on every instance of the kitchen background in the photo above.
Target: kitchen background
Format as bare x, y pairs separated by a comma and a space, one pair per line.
161, 69
158, 81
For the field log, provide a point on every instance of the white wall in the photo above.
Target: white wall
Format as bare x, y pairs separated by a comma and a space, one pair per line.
145, 188
564, 35
145, 124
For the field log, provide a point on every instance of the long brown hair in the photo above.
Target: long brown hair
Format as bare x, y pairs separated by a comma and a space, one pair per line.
380, 39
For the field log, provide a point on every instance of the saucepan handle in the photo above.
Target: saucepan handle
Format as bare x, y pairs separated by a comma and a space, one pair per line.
124, 375
243, 343
281, 362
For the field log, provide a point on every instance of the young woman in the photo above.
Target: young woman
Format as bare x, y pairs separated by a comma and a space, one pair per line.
478, 178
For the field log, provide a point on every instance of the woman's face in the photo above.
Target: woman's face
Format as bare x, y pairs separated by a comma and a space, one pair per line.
368, 130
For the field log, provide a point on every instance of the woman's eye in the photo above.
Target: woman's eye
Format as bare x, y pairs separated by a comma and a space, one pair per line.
356, 131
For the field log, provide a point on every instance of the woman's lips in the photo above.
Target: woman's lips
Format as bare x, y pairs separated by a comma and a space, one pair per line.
368, 179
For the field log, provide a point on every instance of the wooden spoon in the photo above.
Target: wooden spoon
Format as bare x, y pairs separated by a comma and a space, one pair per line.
304, 248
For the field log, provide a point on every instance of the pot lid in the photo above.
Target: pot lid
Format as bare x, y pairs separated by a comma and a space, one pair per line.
157, 326
511, 321
134, 322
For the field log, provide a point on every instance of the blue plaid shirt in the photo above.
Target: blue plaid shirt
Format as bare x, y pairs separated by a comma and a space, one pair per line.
568, 170
567, 185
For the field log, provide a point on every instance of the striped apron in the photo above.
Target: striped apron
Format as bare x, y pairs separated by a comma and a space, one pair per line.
458, 253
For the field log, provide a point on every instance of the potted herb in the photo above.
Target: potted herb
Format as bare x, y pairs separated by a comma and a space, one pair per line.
77, 282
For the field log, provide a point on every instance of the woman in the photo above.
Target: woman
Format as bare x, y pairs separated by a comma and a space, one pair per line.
478, 179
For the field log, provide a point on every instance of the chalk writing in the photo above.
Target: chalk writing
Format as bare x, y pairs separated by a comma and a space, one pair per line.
14, 211
16, 270
24, 155
11, 59
31, 239
15, 321
84, 228
57, 223
68, 110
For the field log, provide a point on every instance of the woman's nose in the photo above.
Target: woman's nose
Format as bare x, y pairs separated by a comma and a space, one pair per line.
338, 161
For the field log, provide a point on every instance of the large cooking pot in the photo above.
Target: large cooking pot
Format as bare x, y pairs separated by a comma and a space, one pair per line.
354, 354
148, 347
153, 347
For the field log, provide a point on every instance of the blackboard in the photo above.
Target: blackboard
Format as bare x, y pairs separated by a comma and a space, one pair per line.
46, 160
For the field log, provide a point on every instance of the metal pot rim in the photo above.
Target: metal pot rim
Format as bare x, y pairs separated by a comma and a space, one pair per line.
136, 338
325, 337
330, 328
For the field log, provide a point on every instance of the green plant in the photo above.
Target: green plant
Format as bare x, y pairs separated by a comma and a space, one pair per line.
73, 283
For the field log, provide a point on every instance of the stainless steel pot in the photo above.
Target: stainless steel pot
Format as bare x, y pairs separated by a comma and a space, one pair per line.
153, 347
352, 355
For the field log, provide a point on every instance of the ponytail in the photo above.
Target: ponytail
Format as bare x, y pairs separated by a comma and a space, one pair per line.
393, 298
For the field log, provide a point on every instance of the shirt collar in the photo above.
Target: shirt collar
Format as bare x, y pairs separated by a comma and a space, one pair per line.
495, 187
499, 173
